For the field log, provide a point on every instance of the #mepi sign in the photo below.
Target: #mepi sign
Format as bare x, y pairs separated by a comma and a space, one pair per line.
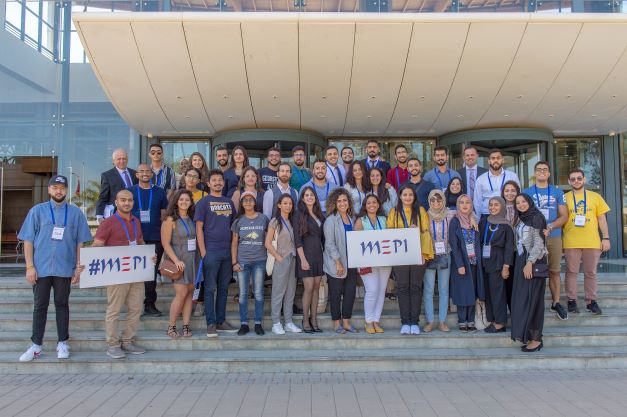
116, 265
388, 247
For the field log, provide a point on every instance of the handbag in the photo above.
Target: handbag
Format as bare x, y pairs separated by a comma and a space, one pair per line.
168, 269
540, 268
365, 270
270, 260
481, 321
323, 296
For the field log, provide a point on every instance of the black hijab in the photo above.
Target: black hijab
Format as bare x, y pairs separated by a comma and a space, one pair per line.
532, 217
451, 198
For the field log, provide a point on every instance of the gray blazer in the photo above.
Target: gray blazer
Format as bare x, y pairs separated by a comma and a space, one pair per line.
532, 241
334, 245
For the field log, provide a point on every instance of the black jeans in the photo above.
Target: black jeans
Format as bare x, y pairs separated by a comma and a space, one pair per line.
342, 295
150, 287
41, 292
409, 285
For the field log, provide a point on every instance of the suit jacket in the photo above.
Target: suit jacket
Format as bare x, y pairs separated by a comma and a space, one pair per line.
110, 184
384, 165
462, 173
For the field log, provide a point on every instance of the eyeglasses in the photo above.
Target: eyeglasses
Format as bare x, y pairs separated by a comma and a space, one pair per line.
542, 170
435, 199
193, 177
156, 153
248, 200
573, 179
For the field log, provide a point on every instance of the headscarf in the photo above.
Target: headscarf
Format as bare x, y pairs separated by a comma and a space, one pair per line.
501, 216
451, 198
465, 219
437, 215
532, 217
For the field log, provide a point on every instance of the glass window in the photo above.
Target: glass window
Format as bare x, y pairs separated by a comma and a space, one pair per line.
624, 174
14, 14
419, 148
584, 153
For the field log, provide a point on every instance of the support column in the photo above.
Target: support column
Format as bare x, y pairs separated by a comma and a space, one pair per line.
612, 192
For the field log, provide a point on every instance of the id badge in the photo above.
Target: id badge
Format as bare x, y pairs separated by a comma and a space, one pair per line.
545, 213
580, 220
132, 243
440, 248
191, 245
57, 233
470, 248
486, 251
144, 216
196, 294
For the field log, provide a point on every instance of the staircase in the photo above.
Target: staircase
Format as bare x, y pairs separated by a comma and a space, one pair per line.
583, 341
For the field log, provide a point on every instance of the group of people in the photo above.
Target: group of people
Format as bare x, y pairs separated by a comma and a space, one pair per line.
482, 239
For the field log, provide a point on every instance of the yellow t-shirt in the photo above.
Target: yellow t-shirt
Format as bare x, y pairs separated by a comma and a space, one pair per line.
198, 195
426, 243
586, 237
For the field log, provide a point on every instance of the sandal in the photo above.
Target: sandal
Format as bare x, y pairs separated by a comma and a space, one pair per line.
172, 332
390, 296
351, 329
340, 330
187, 332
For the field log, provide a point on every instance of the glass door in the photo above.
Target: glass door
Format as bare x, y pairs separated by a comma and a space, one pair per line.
176, 150
520, 159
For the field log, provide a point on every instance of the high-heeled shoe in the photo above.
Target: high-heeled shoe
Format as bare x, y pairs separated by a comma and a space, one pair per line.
315, 328
306, 330
535, 349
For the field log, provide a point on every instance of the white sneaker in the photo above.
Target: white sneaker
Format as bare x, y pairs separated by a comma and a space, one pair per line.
405, 329
291, 327
278, 328
63, 350
34, 351
415, 329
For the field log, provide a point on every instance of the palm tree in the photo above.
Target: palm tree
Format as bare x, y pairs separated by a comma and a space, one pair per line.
88, 197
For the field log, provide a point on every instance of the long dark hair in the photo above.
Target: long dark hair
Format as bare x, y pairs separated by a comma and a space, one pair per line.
415, 210
173, 207
204, 171
258, 186
365, 178
451, 198
182, 182
303, 211
241, 148
382, 192
516, 186
277, 212
332, 201
363, 212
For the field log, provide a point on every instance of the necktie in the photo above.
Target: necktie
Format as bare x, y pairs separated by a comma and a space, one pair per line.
339, 175
471, 183
127, 179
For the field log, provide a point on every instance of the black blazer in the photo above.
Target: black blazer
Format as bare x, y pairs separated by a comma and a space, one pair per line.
462, 173
502, 247
385, 166
111, 184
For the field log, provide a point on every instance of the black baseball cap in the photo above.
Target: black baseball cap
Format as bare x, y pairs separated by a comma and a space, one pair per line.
58, 180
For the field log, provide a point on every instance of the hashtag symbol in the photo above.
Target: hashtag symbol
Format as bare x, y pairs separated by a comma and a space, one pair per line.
94, 267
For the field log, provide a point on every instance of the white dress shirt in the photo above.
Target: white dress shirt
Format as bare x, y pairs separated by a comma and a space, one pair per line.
332, 176
489, 185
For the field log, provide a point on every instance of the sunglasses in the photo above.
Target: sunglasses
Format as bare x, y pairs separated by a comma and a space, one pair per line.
156, 153
573, 179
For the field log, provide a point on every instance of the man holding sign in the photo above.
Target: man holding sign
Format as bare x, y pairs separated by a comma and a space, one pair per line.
52, 233
122, 229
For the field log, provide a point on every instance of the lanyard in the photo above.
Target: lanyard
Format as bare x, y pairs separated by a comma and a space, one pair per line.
465, 233
189, 235
359, 195
502, 182
548, 196
485, 234
139, 199
435, 232
585, 202
437, 174
289, 229
54, 222
398, 179
126, 229
404, 217
333, 173
372, 224
199, 274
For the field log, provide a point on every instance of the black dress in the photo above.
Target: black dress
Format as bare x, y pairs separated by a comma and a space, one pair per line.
312, 243
527, 304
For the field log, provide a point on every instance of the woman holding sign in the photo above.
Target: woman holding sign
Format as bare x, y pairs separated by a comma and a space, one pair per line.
342, 280
408, 214
372, 217
466, 277
178, 237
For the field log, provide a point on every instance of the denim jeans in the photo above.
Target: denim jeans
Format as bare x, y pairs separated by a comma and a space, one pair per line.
217, 271
429, 287
255, 271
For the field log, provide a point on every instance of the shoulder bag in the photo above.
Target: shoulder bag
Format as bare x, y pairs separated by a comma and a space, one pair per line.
270, 260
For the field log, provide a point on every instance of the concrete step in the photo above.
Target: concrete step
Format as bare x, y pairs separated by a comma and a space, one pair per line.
93, 341
326, 360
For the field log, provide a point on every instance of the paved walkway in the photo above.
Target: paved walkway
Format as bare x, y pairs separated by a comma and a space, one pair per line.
595, 393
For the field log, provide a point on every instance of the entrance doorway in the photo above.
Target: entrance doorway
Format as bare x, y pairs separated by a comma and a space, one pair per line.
520, 159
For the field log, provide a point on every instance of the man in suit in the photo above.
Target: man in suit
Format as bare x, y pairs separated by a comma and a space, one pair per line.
374, 157
470, 171
113, 181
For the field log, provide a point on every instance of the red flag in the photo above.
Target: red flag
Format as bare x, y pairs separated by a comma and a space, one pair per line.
78, 188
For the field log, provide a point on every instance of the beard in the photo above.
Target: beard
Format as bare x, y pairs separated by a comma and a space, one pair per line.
440, 163
57, 199
223, 162
496, 166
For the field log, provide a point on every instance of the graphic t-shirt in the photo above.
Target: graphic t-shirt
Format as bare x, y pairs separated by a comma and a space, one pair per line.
252, 235
269, 177
217, 214
541, 197
586, 237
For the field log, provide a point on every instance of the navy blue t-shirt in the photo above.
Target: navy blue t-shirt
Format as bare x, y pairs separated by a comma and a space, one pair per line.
152, 229
217, 214
269, 178
231, 179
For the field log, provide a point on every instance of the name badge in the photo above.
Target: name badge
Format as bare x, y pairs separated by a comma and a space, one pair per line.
57, 233
545, 213
191, 245
486, 251
144, 216
440, 248
132, 243
580, 220
196, 294
470, 248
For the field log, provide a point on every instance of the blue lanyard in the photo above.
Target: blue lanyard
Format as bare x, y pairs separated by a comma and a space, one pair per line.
359, 195
285, 224
398, 179
372, 224
465, 233
404, 217
128, 237
199, 273
485, 234
159, 178
139, 199
585, 202
502, 182
435, 230
448, 171
189, 235
548, 196
54, 222
333, 173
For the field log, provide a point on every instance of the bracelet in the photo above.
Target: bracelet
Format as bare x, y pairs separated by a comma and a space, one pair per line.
30, 267
605, 238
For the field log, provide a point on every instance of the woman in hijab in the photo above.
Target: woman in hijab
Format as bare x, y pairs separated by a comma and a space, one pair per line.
466, 277
438, 226
497, 256
509, 192
452, 193
529, 275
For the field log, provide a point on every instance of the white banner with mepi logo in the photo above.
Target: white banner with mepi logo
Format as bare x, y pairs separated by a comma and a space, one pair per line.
388, 247
111, 265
